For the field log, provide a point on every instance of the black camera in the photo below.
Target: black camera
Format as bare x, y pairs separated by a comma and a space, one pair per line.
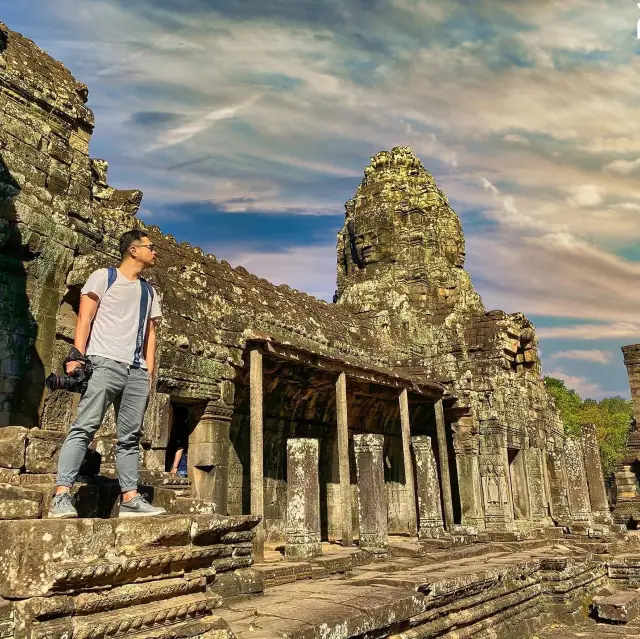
79, 378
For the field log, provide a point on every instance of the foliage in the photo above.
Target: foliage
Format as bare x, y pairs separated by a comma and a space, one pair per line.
612, 417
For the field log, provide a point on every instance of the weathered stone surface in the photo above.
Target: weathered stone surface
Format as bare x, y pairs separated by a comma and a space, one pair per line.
13, 443
372, 508
136, 534
428, 489
32, 551
620, 608
43, 449
303, 499
19, 503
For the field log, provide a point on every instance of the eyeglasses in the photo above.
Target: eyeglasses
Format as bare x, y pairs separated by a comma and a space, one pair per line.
151, 247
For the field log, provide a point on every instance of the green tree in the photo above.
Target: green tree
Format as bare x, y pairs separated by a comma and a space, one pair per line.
611, 416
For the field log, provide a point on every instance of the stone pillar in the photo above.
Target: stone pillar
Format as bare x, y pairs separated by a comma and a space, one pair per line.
256, 449
535, 477
430, 510
343, 459
558, 494
494, 474
408, 462
577, 489
467, 447
208, 455
632, 363
626, 482
372, 495
303, 499
595, 477
443, 455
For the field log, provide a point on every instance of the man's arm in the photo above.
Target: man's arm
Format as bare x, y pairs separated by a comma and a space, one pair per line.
86, 313
149, 353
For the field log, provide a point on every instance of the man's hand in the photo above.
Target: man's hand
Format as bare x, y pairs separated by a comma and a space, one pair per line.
71, 366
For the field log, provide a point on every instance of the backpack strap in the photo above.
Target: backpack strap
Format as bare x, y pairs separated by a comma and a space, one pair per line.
146, 298
112, 274
145, 284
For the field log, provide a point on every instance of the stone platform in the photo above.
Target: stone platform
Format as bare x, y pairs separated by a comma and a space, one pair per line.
510, 590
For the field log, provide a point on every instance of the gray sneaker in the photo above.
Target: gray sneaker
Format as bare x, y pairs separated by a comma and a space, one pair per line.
62, 507
139, 507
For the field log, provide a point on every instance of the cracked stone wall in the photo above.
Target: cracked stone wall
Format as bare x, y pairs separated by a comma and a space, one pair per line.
403, 302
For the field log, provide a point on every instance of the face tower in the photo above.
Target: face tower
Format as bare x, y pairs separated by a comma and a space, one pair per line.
401, 251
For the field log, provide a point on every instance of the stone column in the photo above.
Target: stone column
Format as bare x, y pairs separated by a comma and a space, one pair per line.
343, 458
577, 489
595, 477
558, 497
494, 473
208, 455
466, 445
256, 450
303, 499
372, 496
632, 363
443, 455
626, 482
430, 510
408, 462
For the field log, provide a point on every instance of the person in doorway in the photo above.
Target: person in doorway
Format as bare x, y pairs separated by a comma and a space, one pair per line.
179, 466
116, 332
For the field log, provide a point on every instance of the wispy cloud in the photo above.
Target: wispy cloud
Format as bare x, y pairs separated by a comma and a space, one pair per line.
615, 331
276, 107
585, 387
199, 125
592, 355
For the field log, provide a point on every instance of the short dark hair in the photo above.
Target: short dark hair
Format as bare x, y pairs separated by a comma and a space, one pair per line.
128, 238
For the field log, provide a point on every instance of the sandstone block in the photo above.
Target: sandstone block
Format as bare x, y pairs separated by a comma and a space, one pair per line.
32, 551
134, 534
43, 449
20, 503
620, 608
13, 443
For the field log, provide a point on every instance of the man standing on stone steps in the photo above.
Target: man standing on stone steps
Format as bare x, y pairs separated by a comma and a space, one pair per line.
116, 331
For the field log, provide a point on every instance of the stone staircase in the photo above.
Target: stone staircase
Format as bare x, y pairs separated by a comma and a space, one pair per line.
28, 496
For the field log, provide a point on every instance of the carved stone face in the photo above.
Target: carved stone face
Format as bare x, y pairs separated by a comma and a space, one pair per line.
401, 226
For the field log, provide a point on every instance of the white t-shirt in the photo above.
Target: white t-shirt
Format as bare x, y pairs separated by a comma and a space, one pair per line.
120, 323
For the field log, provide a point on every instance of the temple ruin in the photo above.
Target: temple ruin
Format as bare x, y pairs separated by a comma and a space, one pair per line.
388, 465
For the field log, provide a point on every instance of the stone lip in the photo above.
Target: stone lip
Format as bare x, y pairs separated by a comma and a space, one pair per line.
38, 554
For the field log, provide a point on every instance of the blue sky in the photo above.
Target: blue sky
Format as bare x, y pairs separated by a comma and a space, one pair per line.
248, 123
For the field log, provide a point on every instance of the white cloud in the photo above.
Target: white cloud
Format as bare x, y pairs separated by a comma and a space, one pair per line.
624, 167
591, 332
586, 388
589, 355
516, 139
584, 195
554, 274
306, 268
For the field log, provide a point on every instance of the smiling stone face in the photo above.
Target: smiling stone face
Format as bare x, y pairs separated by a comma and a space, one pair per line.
401, 239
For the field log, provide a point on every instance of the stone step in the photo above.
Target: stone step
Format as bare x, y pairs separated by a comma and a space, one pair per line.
45, 556
622, 607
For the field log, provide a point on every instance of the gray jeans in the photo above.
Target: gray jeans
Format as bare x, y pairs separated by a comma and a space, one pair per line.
128, 389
